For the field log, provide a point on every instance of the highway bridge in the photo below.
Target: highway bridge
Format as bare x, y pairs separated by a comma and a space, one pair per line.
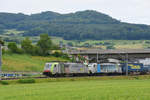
97, 55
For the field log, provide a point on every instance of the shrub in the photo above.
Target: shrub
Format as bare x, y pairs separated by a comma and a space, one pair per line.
12, 46
136, 77
26, 81
110, 47
4, 82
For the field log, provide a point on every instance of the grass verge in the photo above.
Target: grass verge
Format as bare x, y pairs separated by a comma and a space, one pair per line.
45, 80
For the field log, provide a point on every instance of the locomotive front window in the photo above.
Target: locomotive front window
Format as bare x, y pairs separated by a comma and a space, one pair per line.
48, 66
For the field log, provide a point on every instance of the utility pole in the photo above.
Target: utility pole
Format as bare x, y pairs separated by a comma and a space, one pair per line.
126, 64
0, 60
97, 56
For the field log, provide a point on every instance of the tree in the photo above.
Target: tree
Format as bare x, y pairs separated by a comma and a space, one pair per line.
1, 31
27, 46
14, 49
70, 44
110, 47
1, 41
44, 44
87, 45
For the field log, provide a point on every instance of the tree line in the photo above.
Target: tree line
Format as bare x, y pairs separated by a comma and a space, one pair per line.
42, 48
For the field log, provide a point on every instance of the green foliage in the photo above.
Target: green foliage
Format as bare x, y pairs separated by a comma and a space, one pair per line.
86, 45
44, 44
4, 82
26, 81
1, 31
70, 44
27, 46
55, 47
60, 54
110, 47
12, 46
81, 25
57, 54
1, 41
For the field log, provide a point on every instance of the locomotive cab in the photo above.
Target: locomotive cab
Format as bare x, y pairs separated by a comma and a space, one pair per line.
50, 69
92, 67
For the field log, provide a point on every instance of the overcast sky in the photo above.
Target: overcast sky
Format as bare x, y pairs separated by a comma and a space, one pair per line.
133, 11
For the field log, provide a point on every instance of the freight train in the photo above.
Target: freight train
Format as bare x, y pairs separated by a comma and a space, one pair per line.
78, 69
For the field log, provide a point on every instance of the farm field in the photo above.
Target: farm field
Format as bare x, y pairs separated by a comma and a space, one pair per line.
15, 35
25, 63
79, 90
118, 44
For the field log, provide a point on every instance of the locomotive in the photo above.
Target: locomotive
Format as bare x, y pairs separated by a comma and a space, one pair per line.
63, 69
80, 69
104, 68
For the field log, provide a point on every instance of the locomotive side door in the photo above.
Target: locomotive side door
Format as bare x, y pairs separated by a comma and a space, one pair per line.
56, 68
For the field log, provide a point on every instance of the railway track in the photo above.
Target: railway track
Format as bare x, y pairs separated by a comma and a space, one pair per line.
17, 78
45, 77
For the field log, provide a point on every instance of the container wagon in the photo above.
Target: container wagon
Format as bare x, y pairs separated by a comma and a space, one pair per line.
133, 68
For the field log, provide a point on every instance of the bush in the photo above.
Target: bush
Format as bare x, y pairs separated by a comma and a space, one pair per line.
12, 46
4, 82
26, 81
110, 47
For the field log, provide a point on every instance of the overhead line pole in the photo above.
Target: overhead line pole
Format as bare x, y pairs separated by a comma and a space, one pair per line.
97, 56
126, 64
0, 61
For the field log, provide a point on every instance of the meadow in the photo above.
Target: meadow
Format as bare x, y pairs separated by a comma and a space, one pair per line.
25, 63
79, 90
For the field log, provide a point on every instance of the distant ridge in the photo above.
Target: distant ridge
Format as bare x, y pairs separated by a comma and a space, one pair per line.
81, 25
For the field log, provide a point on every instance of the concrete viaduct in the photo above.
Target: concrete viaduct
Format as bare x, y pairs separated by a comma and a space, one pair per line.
100, 55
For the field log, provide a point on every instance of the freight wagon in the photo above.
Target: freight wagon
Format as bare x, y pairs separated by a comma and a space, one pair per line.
133, 68
146, 69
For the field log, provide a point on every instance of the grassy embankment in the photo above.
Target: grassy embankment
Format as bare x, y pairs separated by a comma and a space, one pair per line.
108, 88
15, 62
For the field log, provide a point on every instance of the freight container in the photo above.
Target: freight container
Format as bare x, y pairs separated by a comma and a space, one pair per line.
133, 68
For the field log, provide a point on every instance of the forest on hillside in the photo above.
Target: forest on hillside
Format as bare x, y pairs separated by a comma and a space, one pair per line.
82, 25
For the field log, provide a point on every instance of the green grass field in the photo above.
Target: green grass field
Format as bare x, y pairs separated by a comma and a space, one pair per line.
27, 63
79, 90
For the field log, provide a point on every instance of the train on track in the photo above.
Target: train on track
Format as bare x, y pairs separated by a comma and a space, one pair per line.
80, 69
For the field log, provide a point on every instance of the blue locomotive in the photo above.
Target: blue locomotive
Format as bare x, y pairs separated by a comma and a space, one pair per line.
104, 68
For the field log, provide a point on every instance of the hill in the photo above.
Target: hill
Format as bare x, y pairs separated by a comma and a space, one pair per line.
81, 25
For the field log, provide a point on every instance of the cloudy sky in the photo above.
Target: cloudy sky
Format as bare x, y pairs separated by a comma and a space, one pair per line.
133, 11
